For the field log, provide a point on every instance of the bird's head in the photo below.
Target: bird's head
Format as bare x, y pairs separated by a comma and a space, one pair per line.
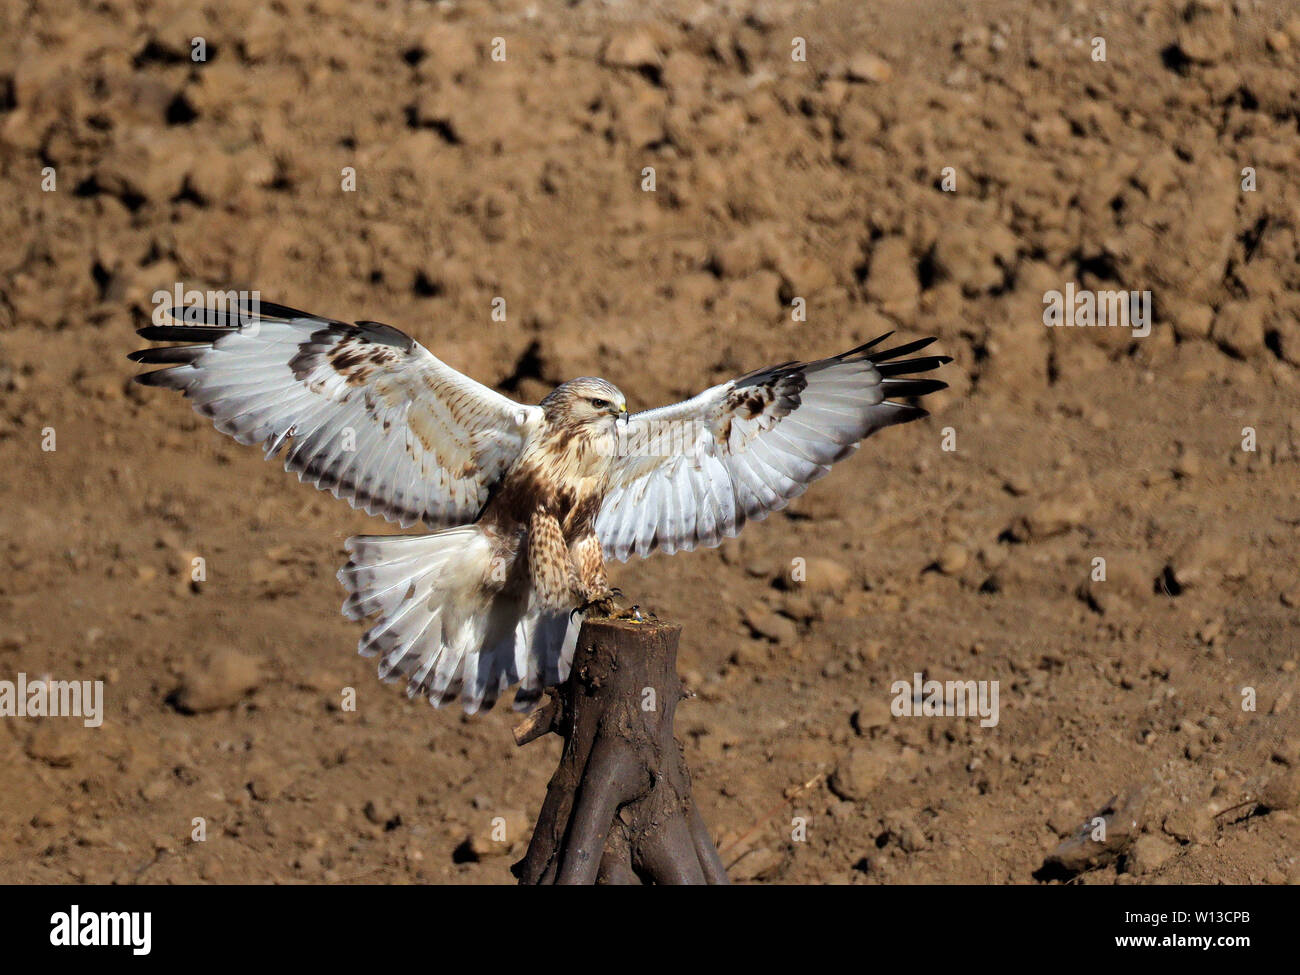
586, 413
586, 402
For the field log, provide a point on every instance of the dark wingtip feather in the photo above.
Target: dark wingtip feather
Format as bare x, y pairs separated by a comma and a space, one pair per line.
201, 323
182, 333
865, 346
202, 315
269, 309
904, 366
905, 349
161, 354
904, 413
913, 387
162, 378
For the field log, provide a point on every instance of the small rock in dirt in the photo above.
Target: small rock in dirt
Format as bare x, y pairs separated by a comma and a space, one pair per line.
156, 788
1205, 559
1205, 35
756, 864
952, 559
800, 605
902, 827
869, 68
1095, 843
55, 814
772, 626
820, 575
1190, 824
803, 275
1187, 465
1149, 854
1064, 818
54, 745
269, 782
498, 836
858, 774
1239, 327
1047, 519
874, 713
631, 49
219, 681
381, 812
1282, 791
970, 256
1192, 320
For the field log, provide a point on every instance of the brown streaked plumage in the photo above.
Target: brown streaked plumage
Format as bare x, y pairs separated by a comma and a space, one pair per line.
527, 502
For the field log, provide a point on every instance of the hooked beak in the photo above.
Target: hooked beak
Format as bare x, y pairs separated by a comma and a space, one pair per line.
622, 416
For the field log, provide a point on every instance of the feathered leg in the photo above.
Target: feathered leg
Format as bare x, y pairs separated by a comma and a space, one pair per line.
592, 585
548, 563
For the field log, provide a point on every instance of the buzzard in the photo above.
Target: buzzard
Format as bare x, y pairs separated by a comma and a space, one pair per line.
525, 503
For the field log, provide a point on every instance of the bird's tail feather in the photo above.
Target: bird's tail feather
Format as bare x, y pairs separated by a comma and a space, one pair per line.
447, 625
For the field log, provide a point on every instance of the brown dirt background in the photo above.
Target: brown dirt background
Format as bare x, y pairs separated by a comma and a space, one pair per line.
775, 179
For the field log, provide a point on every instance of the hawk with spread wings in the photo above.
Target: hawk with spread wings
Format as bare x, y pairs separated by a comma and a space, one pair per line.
525, 503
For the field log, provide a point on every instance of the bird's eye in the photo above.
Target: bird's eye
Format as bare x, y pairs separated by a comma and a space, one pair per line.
600, 404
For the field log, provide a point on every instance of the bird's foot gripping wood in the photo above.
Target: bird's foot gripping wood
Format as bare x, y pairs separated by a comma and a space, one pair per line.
618, 809
606, 606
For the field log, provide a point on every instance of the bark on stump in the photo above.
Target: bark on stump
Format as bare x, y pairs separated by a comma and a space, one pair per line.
618, 809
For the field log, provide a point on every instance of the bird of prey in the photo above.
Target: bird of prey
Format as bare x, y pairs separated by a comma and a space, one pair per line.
525, 503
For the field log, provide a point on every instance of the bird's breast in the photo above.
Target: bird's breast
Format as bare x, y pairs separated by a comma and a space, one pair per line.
562, 476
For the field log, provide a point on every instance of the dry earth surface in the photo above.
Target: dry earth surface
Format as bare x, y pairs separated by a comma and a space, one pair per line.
775, 179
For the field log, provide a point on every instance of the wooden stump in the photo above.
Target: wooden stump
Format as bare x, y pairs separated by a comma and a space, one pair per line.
618, 809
